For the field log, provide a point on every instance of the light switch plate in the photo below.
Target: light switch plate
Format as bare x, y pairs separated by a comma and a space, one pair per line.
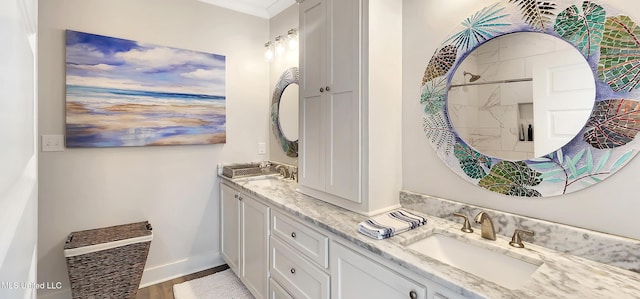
262, 148
52, 143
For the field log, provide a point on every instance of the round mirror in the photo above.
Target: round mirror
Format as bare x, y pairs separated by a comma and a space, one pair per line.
284, 111
606, 39
521, 95
288, 112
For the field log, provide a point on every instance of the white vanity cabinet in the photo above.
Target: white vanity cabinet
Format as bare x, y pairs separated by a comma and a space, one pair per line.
299, 258
245, 238
350, 103
279, 256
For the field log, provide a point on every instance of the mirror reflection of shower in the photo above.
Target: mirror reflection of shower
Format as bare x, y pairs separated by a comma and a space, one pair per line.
523, 79
473, 78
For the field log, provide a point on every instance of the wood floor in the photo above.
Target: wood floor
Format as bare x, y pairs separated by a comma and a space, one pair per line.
165, 290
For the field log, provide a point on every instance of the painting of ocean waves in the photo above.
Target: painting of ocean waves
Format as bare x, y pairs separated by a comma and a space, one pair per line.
124, 93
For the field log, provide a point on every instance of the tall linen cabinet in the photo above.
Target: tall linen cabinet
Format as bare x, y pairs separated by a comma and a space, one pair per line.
351, 102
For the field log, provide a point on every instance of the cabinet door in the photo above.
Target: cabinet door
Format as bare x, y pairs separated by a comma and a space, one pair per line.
255, 247
312, 80
343, 98
230, 226
355, 276
330, 116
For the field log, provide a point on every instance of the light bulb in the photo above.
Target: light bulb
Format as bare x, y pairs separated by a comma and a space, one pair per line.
292, 36
268, 53
279, 46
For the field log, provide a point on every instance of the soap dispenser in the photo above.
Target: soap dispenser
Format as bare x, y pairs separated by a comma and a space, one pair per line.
521, 133
530, 133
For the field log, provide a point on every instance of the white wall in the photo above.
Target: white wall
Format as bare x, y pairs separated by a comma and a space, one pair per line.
18, 170
607, 207
173, 187
279, 25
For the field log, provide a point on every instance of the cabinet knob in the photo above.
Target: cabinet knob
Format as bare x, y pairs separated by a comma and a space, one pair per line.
321, 89
293, 270
236, 196
293, 234
240, 198
327, 88
413, 295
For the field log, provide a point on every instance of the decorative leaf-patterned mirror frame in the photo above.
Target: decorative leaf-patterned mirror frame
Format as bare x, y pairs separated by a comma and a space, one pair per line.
609, 41
288, 77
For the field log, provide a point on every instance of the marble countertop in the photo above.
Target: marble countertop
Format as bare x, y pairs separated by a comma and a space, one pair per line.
561, 275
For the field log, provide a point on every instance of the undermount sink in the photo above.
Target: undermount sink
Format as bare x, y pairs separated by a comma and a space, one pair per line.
263, 181
505, 270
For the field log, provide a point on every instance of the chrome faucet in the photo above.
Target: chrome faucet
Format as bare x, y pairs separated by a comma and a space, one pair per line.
283, 171
486, 226
265, 166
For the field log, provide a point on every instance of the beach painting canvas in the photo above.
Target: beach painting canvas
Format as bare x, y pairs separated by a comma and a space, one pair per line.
125, 93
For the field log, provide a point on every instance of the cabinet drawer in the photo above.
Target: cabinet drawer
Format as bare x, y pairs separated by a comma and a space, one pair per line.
277, 291
301, 278
311, 243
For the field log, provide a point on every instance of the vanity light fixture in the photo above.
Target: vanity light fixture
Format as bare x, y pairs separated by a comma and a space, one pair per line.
279, 45
292, 37
268, 51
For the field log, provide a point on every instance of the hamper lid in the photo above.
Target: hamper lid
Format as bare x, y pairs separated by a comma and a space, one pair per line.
92, 240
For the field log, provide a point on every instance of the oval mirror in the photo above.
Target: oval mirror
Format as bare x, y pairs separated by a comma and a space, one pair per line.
288, 112
521, 95
284, 111
605, 38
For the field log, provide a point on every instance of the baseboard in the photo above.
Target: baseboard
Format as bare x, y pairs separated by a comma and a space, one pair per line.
162, 273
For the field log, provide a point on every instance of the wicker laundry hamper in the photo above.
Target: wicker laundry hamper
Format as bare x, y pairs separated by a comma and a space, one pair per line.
107, 262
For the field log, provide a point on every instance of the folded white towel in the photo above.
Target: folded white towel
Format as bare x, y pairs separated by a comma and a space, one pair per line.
389, 224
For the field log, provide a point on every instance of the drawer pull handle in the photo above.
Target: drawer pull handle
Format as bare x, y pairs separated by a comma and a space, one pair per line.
293, 234
293, 270
413, 295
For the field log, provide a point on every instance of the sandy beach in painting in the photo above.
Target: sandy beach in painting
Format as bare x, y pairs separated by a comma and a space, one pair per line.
104, 117
126, 93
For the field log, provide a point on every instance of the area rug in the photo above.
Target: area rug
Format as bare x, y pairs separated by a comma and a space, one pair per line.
223, 285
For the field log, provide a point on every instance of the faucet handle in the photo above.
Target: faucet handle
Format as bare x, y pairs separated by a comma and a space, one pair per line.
466, 226
516, 241
283, 170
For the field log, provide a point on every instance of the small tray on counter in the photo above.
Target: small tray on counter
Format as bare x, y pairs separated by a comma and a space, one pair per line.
246, 170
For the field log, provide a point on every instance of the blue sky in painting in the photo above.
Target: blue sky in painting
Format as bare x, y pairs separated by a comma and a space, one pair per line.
101, 61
